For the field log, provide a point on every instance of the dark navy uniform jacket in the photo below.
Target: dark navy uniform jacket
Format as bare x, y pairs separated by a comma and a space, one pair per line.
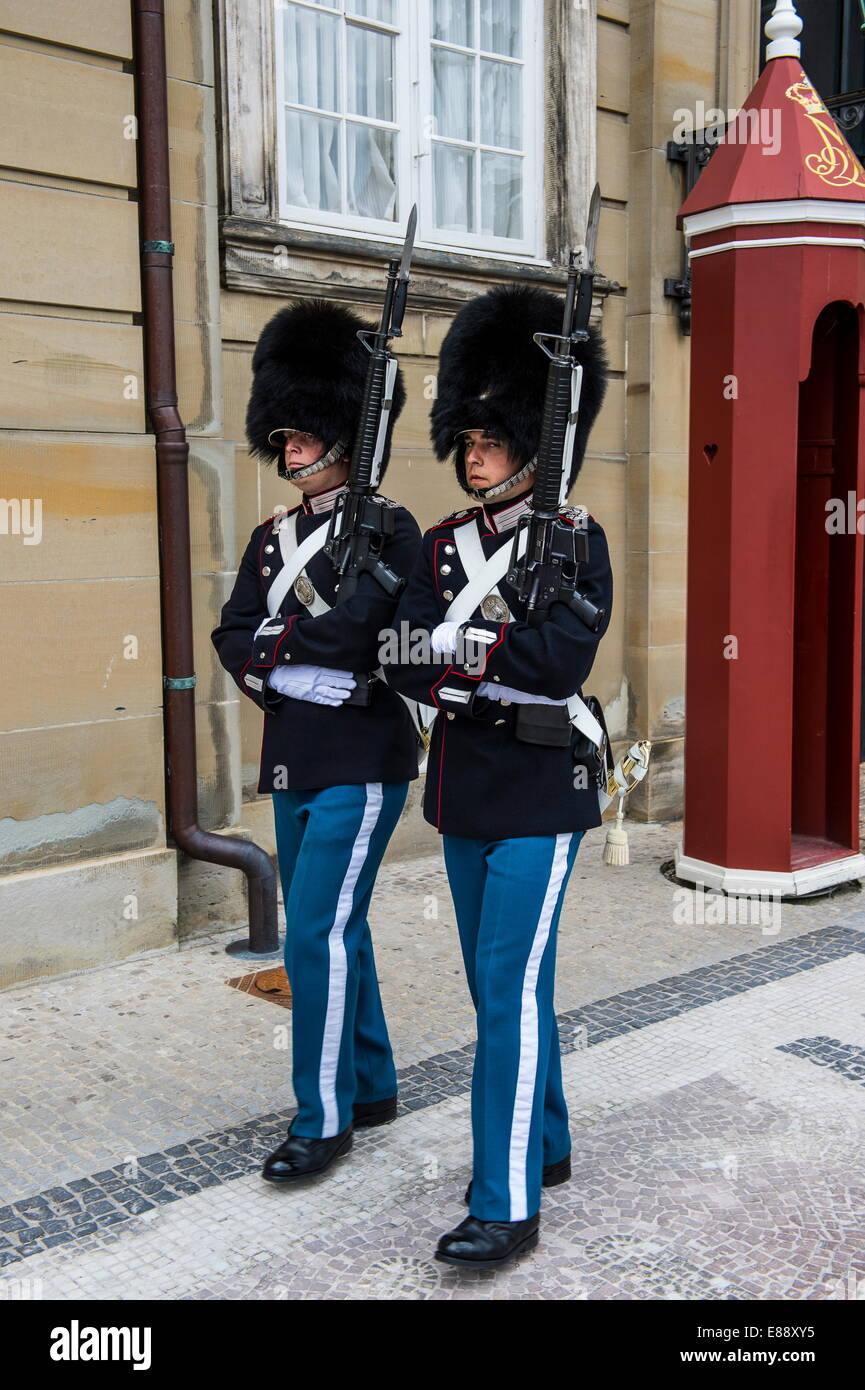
307, 746
481, 781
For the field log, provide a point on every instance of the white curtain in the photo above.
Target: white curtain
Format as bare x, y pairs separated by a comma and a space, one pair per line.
311, 49
501, 113
313, 143
453, 94
310, 46
370, 150
454, 173
371, 184
453, 21
500, 26
373, 9
501, 195
501, 124
370, 73
453, 187
453, 166
312, 161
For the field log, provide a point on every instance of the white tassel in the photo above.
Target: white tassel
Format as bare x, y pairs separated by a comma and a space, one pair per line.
616, 846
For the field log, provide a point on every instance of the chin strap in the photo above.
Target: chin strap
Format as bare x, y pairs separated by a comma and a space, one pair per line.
485, 494
334, 453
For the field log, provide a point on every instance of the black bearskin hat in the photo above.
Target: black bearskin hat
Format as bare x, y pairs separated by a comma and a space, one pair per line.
493, 376
308, 373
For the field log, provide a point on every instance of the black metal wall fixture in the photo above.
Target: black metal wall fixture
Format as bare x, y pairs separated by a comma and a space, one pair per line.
693, 153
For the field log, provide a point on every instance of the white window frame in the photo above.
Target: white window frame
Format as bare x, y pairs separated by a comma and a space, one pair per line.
313, 220
267, 253
413, 164
530, 245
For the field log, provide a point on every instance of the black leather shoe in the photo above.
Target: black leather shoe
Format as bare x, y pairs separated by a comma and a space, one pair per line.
300, 1157
554, 1173
487, 1244
374, 1112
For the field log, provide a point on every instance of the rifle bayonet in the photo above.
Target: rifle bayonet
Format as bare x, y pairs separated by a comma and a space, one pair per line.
360, 521
554, 550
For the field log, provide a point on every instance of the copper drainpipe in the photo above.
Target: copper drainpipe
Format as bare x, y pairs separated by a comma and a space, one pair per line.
172, 455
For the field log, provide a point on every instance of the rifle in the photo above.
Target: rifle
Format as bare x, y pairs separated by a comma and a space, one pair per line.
554, 550
361, 521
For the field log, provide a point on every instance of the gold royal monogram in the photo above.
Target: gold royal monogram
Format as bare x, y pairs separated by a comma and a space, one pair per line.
835, 163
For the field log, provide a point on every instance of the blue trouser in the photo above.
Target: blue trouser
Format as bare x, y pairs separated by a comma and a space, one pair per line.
508, 898
330, 843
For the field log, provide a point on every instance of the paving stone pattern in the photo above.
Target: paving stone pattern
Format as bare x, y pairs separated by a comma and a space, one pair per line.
715, 1078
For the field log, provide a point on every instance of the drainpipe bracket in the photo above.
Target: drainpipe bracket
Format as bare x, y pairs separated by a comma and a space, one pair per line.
178, 682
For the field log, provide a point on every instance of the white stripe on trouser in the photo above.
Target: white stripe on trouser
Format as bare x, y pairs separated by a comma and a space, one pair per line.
338, 964
530, 1042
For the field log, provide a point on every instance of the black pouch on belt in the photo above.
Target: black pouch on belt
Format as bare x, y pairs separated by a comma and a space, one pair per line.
364, 688
546, 724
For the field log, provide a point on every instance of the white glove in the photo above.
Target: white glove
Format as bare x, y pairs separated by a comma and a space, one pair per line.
444, 637
322, 685
494, 691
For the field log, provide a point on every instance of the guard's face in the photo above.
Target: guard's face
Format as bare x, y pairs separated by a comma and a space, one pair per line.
302, 449
488, 459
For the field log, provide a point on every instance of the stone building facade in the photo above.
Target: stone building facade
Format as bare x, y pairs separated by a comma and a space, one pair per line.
87, 871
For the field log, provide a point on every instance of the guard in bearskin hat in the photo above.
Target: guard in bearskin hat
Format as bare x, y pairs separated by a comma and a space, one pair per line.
511, 813
338, 769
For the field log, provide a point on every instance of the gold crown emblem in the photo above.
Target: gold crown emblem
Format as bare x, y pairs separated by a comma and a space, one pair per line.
833, 162
803, 92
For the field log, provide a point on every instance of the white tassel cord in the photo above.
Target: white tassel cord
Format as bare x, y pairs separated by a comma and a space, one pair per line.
616, 845
630, 770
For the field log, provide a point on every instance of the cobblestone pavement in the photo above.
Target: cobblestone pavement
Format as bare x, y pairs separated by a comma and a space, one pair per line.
715, 1074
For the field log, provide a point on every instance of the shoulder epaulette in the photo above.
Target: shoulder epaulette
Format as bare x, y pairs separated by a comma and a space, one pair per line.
278, 516
454, 516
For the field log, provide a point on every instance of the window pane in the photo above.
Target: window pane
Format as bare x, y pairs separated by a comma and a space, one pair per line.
371, 181
500, 27
372, 9
453, 94
311, 58
501, 106
453, 21
501, 195
370, 73
312, 161
453, 188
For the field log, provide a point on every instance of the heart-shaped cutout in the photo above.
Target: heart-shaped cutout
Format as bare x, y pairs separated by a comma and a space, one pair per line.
709, 452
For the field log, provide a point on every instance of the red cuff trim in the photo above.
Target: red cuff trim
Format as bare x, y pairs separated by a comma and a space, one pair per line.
463, 675
257, 696
488, 651
275, 645
283, 637
497, 643
433, 690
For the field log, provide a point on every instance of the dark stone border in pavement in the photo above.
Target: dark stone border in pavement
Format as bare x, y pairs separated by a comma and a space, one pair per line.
846, 1059
88, 1205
